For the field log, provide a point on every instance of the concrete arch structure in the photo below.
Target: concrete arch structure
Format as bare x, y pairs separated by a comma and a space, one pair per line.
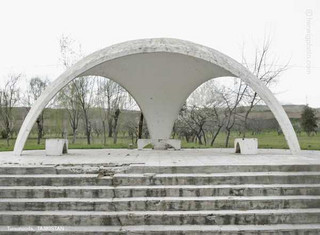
160, 74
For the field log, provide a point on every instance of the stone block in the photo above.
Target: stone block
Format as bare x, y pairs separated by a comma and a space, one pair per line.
159, 144
56, 147
246, 145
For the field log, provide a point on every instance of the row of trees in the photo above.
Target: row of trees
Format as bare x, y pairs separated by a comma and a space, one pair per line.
214, 107
83, 93
77, 99
9, 98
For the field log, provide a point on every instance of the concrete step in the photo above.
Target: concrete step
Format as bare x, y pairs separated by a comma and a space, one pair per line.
235, 178
125, 218
289, 229
26, 170
158, 191
218, 178
53, 180
159, 203
141, 169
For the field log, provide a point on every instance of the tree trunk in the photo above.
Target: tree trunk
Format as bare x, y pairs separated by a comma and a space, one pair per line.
173, 131
215, 136
115, 135
74, 121
246, 122
87, 127
104, 133
8, 139
187, 138
110, 127
199, 139
115, 125
228, 137
88, 134
204, 137
247, 114
74, 135
40, 128
132, 137
140, 128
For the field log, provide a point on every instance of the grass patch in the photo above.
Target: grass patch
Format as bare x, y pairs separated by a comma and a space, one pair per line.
266, 140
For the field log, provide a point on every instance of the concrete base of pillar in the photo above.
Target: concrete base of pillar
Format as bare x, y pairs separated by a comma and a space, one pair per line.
159, 144
246, 145
56, 147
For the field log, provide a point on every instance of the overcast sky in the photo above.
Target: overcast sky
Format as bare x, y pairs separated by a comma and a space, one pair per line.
30, 32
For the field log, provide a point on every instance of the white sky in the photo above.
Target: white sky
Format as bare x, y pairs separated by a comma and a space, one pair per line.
30, 32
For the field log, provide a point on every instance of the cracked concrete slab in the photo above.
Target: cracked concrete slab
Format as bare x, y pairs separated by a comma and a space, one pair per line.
185, 157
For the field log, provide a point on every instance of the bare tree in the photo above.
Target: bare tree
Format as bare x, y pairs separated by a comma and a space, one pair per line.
84, 92
70, 51
218, 106
9, 97
218, 124
111, 98
68, 97
211, 99
194, 118
35, 88
115, 125
140, 126
77, 98
106, 95
232, 98
131, 126
266, 68
181, 126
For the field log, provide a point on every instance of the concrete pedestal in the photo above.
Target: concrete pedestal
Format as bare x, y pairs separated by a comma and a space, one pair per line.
56, 147
246, 145
159, 144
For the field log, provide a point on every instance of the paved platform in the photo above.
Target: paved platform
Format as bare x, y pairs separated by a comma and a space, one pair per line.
185, 157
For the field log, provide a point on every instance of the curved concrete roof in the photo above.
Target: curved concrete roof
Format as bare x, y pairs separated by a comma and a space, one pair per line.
160, 74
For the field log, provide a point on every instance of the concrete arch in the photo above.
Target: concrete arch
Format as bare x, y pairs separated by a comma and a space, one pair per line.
160, 74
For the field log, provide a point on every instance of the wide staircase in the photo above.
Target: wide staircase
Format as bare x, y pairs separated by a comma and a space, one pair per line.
138, 199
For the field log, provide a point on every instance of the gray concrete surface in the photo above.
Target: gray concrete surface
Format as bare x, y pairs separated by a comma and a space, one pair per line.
207, 191
124, 218
288, 229
187, 157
